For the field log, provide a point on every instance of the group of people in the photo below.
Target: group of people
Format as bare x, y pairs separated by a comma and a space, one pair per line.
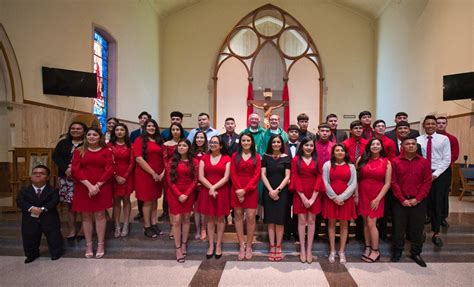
295, 176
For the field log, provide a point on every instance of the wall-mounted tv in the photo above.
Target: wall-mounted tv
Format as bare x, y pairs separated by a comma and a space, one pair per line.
458, 86
69, 83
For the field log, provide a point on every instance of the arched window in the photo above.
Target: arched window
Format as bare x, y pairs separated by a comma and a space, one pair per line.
101, 68
268, 52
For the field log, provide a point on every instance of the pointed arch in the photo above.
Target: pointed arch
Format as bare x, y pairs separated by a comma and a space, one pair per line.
265, 25
10, 68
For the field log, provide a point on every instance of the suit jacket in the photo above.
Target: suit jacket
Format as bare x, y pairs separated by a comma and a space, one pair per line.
234, 144
340, 136
135, 134
393, 136
49, 199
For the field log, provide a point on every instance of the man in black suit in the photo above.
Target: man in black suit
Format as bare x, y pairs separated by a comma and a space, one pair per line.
337, 136
401, 117
39, 215
230, 138
291, 148
142, 118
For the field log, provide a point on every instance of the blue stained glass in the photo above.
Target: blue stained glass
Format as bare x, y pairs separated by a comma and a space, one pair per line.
101, 69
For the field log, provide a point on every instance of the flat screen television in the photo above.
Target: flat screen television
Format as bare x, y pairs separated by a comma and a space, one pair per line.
69, 83
458, 86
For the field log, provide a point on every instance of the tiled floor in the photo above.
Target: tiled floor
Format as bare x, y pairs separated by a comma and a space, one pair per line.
132, 272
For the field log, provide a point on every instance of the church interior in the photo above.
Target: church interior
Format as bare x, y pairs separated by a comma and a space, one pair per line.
220, 57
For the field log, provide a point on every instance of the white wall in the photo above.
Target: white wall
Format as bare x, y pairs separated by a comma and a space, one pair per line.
59, 34
419, 41
192, 37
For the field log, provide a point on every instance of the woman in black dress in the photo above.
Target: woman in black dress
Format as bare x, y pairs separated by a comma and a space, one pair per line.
275, 176
62, 156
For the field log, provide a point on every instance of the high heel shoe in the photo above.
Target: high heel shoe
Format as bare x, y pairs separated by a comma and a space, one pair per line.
332, 257
278, 254
179, 259
117, 231
271, 253
101, 254
248, 252
89, 252
366, 257
184, 245
217, 256
370, 259
241, 255
342, 257
124, 230
209, 256
302, 257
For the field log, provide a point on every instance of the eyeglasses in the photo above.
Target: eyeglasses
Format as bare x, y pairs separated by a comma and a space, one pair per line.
213, 142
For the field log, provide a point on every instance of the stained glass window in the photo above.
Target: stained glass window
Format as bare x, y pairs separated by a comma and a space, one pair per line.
101, 48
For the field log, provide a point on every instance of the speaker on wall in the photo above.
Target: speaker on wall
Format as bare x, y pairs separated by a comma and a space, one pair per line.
69, 83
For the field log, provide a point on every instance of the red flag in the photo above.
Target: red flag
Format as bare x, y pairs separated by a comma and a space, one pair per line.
286, 115
249, 98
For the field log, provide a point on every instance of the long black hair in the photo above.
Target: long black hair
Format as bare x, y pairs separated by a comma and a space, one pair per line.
253, 150
145, 136
367, 153
333, 158
195, 148
113, 136
222, 145
300, 153
177, 157
269, 150
181, 130
83, 125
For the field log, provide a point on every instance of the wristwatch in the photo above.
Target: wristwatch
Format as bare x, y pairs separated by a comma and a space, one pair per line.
43, 209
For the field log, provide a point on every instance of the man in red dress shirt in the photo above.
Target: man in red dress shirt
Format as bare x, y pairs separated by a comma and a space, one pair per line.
441, 124
355, 146
365, 117
411, 183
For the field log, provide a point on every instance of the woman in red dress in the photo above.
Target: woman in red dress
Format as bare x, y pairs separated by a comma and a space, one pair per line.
92, 168
340, 181
149, 174
124, 162
245, 171
199, 148
176, 133
182, 178
375, 174
306, 199
214, 193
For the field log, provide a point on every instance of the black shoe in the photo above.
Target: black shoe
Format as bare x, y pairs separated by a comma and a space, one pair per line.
71, 239
31, 259
437, 241
150, 232
444, 223
157, 229
217, 256
56, 257
396, 257
80, 237
418, 260
138, 217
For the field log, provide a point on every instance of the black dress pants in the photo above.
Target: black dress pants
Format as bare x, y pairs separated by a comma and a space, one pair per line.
291, 223
408, 222
31, 231
437, 200
387, 214
449, 174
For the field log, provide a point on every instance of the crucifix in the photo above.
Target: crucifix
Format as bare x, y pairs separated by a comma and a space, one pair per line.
267, 105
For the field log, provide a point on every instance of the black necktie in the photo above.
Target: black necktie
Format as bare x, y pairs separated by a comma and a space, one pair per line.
292, 144
38, 192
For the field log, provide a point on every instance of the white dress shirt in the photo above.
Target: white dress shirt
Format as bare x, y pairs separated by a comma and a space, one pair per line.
440, 152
